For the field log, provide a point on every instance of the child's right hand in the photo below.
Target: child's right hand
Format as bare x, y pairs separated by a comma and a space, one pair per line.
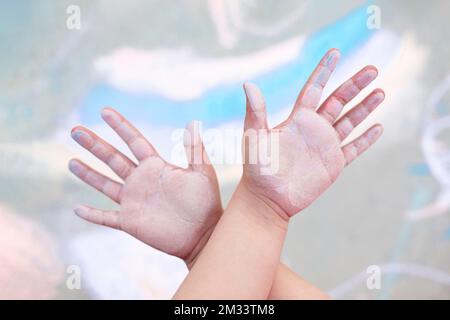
169, 208
307, 147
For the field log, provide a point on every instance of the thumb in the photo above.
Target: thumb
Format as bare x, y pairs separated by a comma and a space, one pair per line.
195, 150
255, 117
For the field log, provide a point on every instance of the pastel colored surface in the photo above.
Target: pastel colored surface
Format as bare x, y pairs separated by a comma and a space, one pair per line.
167, 64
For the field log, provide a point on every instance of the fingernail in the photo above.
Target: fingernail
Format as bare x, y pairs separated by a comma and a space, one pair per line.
378, 97
76, 135
81, 137
375, 132
81, 211
108, 114
332, 58
253, 96
74, 166
368, 76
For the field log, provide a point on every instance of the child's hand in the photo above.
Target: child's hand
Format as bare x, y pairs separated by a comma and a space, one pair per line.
307, 153
170, 208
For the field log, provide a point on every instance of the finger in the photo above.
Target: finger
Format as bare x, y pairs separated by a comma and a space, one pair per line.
195, 150
138, 145
355, 148
96, 180
345, 125
255, 117
115, 159
311, 93
102, 217
333, 105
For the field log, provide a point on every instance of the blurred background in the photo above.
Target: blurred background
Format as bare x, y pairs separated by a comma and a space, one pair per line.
164, 63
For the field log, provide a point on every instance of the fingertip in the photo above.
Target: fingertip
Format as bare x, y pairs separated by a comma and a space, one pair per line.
365, 76
247, 87
378, 96
372, 67
334, 49
375, 132
111, 116
254, 96
107, 112
380, 127
83, 136
332, 57
107, 109
81, 211
77, 133
78, 127
193, 124
192, 133
381, 91
72, 165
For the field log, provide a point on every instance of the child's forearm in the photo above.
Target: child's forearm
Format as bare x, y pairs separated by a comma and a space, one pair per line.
287, 285
242, 256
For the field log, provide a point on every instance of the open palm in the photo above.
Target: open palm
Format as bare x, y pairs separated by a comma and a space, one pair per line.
304, 153
167, 207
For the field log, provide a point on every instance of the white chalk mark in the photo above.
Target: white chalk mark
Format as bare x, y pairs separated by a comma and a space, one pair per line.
227, 36
242, 21
180, 74
436, 153
231, 19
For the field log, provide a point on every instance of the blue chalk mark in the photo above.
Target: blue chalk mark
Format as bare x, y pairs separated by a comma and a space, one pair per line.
226, 103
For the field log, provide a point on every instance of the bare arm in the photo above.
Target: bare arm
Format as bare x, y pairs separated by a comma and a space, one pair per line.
196, 235
241, 258
287, 285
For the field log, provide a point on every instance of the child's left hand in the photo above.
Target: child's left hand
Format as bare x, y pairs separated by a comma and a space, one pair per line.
306, 152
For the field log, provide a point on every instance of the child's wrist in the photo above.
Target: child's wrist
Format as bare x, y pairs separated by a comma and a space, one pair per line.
264, 210
261, 210
192, 257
